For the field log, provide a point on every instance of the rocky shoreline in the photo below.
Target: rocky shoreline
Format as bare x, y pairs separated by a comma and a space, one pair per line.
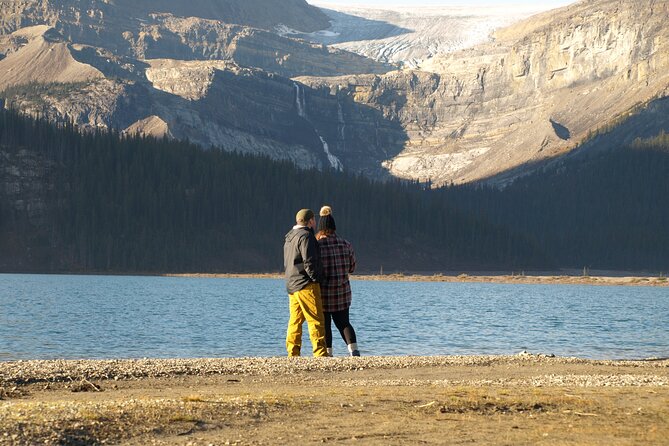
45, 371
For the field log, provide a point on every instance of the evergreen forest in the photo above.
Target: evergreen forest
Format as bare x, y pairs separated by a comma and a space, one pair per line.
100, 201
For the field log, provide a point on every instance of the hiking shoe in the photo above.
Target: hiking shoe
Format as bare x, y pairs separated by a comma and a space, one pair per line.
355, 353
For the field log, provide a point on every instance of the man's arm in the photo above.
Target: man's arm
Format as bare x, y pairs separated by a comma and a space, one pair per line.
310, 256
285, 256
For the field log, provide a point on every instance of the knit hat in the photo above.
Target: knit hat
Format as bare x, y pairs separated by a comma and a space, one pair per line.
304, 215
326, 221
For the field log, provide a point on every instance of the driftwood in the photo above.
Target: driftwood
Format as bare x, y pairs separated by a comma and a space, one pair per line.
86, 386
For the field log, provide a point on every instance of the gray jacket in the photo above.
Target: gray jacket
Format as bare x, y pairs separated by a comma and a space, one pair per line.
301, 259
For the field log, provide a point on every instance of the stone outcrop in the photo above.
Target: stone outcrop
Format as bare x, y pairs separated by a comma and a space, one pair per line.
152, 126
104, 103
199, 39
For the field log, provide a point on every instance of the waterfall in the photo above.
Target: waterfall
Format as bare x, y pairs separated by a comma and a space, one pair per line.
334, 161
300, 101
342, 123
301, 104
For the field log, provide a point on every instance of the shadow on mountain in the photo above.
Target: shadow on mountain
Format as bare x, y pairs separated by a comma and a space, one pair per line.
350, 28
561, 131
186, 39
263, 107
257, 13
112, 67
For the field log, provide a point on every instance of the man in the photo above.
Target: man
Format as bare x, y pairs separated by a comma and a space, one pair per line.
303, 275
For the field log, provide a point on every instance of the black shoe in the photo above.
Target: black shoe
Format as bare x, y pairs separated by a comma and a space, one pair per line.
355, 353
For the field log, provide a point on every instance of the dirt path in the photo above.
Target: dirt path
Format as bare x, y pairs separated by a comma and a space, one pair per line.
457, 400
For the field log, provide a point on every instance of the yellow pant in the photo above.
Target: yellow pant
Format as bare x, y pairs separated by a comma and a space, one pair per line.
306, 305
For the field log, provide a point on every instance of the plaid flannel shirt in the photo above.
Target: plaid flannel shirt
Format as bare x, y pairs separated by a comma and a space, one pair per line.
338, 260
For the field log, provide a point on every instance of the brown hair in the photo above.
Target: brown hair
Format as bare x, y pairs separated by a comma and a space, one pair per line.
324, 233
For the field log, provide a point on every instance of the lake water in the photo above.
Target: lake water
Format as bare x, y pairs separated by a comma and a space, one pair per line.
48, 317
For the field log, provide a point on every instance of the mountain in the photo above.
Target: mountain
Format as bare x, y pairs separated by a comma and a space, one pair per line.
259, 77
535, 92
122, 33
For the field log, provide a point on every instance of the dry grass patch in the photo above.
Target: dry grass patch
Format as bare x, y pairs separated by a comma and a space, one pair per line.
491, 401
114, 421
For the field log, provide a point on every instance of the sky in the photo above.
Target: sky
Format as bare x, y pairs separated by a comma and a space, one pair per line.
374, 3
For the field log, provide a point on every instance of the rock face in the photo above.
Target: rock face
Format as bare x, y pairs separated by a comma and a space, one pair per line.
251, 111
199, 39
151, 126
204, 74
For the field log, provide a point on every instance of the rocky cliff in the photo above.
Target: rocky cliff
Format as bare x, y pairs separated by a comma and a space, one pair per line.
176, 29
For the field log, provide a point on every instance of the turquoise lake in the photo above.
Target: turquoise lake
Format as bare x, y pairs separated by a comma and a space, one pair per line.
93, 317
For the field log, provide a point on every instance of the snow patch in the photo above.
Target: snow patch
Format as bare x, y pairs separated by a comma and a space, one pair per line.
409, 35
286, 31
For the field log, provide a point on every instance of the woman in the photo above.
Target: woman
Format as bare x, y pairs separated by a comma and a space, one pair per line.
338, 261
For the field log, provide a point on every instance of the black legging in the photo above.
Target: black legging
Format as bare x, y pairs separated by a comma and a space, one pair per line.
345, 328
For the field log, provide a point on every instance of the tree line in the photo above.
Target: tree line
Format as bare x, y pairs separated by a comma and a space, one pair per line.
604, 209
121, 203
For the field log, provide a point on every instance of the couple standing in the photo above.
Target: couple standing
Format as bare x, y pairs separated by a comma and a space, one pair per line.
317, 269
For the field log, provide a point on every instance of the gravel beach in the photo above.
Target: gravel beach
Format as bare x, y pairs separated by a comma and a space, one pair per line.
520, 399
30, 372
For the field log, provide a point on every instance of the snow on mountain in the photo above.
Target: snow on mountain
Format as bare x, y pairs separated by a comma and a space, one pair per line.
409, 35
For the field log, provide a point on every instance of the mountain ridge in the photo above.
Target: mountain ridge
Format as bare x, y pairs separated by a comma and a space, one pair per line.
93, 14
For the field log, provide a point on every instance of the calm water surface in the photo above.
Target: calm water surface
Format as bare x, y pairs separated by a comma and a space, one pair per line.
47, 317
